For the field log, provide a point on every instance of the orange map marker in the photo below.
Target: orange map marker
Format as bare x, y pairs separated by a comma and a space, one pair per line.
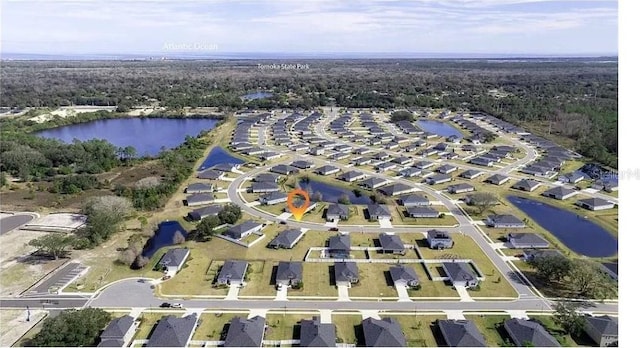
298, 212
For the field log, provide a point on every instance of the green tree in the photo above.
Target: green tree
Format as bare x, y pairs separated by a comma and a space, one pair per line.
588, 280
566, 315
205, 228
72, 328
344, 199
551, 268
402, 115
55, 244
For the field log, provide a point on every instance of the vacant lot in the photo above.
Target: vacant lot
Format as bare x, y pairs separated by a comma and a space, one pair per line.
212, 325
419, 329
375, 281
195, 277
317, 281
429, 288
346, 325
282, 326
490, 326
259, 280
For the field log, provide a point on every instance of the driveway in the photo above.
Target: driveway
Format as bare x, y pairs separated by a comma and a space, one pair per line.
385, 223
403, 294
343, 293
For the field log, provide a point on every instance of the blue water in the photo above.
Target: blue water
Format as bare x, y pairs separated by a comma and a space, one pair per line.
332, 193
147, 135
577, 233
440, 128
218, 155
163, 237
257, 95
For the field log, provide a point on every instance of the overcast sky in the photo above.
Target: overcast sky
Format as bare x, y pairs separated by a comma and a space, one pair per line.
427, 26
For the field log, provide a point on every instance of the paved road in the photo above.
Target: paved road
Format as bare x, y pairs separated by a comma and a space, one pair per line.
10, 223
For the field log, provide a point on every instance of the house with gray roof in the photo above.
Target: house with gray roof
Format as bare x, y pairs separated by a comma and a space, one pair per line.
352, 176
373, 182
460, 333
173, 260
361, 161
470, 174
402, 160
528, 333
395, 189
422, 212
263, 187
391, 244
461, 188
527, 185
225, 167
560, 193
602, 329
424, 164
441, 146
302, 164
460, 274
482, 161
336, 212
199, 199
572, 178
384, 166
404, 275
595, 204
172, 331
438, 179
339, 246
232, 272
289, 273
497, 179
119, 332
346, 273
327, 170
410, 172
384, 332
266, 177
210, 174
414, 200
446, 169
378, 212
245, 332
201, 213
272, 198
313, 333
504, 221
243, 229
527, 240
437, 239
532, 254
284, 169
286, 239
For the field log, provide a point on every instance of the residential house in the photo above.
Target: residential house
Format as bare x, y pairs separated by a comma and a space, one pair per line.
527, 185
422, 212
173, 260
482, 161
441, 147
402, 160
403, 275
423, 164
339, 246
317, 151
560, 193
352, 176
595, 204
460, 274
572, 178
446, 169
266, 177
391, 244
284, 169
346, 273
602, 329
525, 333
244, 229
497, 179
272, 198
199, 187
395, 189
119, 332
327, 170
362, 161
199, 199
527, 240
172, 331
383, 167
289, 273
336, 212
461, 188
225, 167
471, 174
313, 333
286, 239
439, 240
245, 332
210, 174
264, 187
505, 221
460, 333
302, 164
232, 272
438, 179
410, 172
414, 200
378, 212
373, 183
201, 213
532, 254
269, 155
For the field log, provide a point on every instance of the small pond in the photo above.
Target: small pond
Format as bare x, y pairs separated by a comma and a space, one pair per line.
573, 230
331, 193
163, 237
441, 128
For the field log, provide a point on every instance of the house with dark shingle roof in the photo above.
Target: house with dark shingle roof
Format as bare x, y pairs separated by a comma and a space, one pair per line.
461, 188
482, 161
346, 273
289, 273
446, 169
378, 212
528, 333
272, 198
602, 329
595, 204
470, 174
560, 193
422, 212
424, 164
173, 332
245, 332
437, 239
284, 169
173, 260
527, 240
339, 246
460, 274
352, 176
302, 164
266, 177
327, 170
210, 174
263, 187
410, 172
383, 333
199, 199
201, 213
232, 272
497, 179
395, 189
286, 239
532, 254
404, 275
527, 185
505, 221
460, 333
373, 182
242, 230
414, 200
438, 179
225, 167
313, 333
336, 212
391, 244
119, 332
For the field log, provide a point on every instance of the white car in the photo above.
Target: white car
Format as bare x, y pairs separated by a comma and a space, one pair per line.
176, 305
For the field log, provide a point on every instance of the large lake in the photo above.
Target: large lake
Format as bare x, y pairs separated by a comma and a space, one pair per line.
146, 135
577, 233
441, 128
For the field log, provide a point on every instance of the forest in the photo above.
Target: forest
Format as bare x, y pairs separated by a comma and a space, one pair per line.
573, 99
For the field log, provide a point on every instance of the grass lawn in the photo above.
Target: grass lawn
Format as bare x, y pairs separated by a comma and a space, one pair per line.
565, 340
281, 326
373, 282
147, 323
346, 327
259, 280
428, 287
275, 209
316, 278
489, 327
419, 329
196, 277
211, 325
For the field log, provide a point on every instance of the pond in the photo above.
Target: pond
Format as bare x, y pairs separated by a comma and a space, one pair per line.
163, 237
331, 193
576, 232
218, 155
147, 135
257, 95
441, 128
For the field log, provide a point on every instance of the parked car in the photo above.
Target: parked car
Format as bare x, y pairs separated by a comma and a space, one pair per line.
176, 305
333, 229
165, 305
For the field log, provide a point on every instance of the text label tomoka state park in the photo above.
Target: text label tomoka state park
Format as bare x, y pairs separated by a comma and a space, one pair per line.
283, 66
